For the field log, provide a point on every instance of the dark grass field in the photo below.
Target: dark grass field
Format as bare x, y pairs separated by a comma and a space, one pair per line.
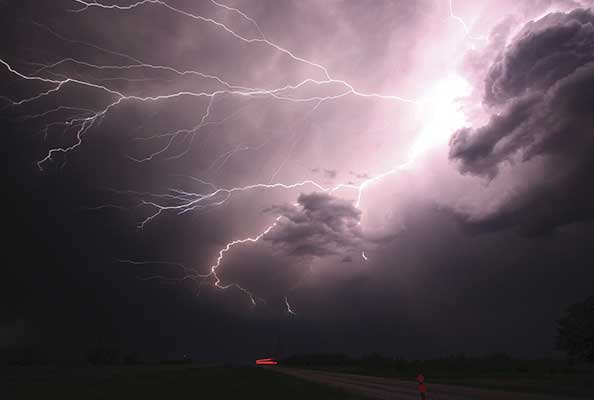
158, 382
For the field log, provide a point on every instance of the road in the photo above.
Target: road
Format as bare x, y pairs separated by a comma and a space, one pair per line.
393, 389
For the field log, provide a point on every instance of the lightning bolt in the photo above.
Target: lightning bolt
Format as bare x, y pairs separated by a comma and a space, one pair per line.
81, 120
290, 311
464, 25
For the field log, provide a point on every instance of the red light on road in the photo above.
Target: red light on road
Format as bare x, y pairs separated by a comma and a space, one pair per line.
266, 361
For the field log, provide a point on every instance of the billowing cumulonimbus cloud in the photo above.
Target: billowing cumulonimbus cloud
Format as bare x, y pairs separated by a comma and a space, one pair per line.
318, 225
541, 92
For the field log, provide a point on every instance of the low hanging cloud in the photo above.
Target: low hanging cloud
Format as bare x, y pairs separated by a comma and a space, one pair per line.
318, 225
540, 89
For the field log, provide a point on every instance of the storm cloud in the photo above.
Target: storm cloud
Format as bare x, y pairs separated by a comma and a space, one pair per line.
540, 90
318, 225
120, 232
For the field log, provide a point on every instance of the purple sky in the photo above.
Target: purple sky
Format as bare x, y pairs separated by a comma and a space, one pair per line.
419, 168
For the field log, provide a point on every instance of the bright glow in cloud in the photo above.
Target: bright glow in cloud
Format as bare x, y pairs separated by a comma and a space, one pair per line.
442, 115
303, 86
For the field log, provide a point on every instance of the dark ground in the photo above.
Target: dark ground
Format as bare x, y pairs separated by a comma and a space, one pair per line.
498, 372
397, 389
158, 382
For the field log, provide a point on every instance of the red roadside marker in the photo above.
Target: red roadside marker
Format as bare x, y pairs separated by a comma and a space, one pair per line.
422, 387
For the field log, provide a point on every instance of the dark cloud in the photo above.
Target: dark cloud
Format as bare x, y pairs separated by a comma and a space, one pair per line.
543, 52
330, 173
359, 175
319, 225
418, 290
541, 89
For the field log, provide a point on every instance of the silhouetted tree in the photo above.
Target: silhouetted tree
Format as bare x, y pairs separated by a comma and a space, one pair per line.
103, 355
576, 331
26, 355
132, 358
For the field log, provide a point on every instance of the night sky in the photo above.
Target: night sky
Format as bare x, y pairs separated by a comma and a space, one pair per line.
199, 178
